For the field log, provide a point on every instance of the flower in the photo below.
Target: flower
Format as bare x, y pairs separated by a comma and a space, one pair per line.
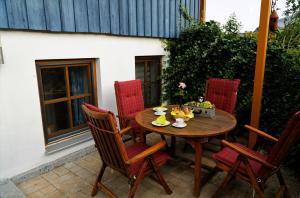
182, 85
181, 91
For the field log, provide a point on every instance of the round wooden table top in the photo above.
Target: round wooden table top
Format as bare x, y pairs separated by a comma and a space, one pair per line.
197, 127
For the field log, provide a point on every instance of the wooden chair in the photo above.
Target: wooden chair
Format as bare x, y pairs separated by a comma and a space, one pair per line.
135, 161
130, 100
254, 167
222, 93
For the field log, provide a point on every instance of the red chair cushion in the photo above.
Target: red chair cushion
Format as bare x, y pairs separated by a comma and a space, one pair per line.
129, 97
222, 93
100, 110
160, 158
134, 125
229, 156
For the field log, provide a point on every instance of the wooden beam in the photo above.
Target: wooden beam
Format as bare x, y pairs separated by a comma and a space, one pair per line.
202, 10
265, 10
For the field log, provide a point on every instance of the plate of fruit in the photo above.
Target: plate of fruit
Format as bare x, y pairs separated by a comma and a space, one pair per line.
161, 121
186, 113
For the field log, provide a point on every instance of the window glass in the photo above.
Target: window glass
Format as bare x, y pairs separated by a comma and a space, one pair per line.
57, 117
78, 117
79, 82
54, 84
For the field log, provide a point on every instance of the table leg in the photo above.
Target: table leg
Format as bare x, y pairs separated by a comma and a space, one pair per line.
198, 157
173, 145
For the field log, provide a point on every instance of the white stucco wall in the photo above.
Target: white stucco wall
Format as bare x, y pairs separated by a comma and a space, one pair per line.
21, 132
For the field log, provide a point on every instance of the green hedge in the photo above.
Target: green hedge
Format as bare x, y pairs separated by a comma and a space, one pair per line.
207, 50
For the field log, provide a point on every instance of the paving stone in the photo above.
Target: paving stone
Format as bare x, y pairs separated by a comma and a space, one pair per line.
61, 171
76, 178
9, 190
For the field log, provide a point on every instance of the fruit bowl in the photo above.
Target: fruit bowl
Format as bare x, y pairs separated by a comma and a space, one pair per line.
186, 114
204, 109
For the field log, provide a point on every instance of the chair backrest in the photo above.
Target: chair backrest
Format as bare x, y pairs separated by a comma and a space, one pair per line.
289, 136
222, 93
107, 138
129, 97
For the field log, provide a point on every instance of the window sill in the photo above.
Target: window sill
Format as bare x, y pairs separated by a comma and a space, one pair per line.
69, 142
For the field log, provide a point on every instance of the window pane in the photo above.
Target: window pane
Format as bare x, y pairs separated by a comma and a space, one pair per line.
78, 117
54, 84
79, 82
57, 117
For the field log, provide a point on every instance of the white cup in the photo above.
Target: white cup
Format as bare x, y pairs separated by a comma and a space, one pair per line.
159, 111
179, 121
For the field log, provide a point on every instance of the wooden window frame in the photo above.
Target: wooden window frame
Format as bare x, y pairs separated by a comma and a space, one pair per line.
146, 60
66, 63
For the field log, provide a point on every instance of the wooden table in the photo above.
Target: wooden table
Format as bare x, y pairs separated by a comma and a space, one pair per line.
197, 132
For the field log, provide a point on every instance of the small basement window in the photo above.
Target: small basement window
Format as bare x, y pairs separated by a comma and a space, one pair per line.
63, 86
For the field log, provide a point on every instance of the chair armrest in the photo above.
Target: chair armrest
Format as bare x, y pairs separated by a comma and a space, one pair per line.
125, 117
147, 152
247, 154
125, 130
261, 133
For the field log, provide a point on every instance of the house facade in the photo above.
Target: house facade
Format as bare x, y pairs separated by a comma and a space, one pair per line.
56, 54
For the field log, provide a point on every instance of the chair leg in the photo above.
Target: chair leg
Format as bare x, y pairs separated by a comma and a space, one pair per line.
228, 178
133, 135
100, 175
159, 176
137, 180
283, 186
253, 179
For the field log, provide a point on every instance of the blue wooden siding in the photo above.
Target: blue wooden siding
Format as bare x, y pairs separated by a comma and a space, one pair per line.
146, 18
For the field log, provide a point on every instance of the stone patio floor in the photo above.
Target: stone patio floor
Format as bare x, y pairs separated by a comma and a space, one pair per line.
75, 179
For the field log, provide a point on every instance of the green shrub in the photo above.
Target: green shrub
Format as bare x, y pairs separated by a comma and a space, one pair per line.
206, 50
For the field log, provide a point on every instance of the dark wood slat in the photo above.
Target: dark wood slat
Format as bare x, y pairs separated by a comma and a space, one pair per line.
147, 15
81, 16
3, 15
177, 15
104, 16
167, 18
16, 13
154, 18
161, 21
140, 17
67, 15
124, 21
132, 17
93, 15
172, 22
187, 6
36, 14
52, 12
197, 8
182, 20
192, 8
114, 16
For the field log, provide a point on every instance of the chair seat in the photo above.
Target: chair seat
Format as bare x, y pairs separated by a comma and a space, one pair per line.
160, 158
229, 156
